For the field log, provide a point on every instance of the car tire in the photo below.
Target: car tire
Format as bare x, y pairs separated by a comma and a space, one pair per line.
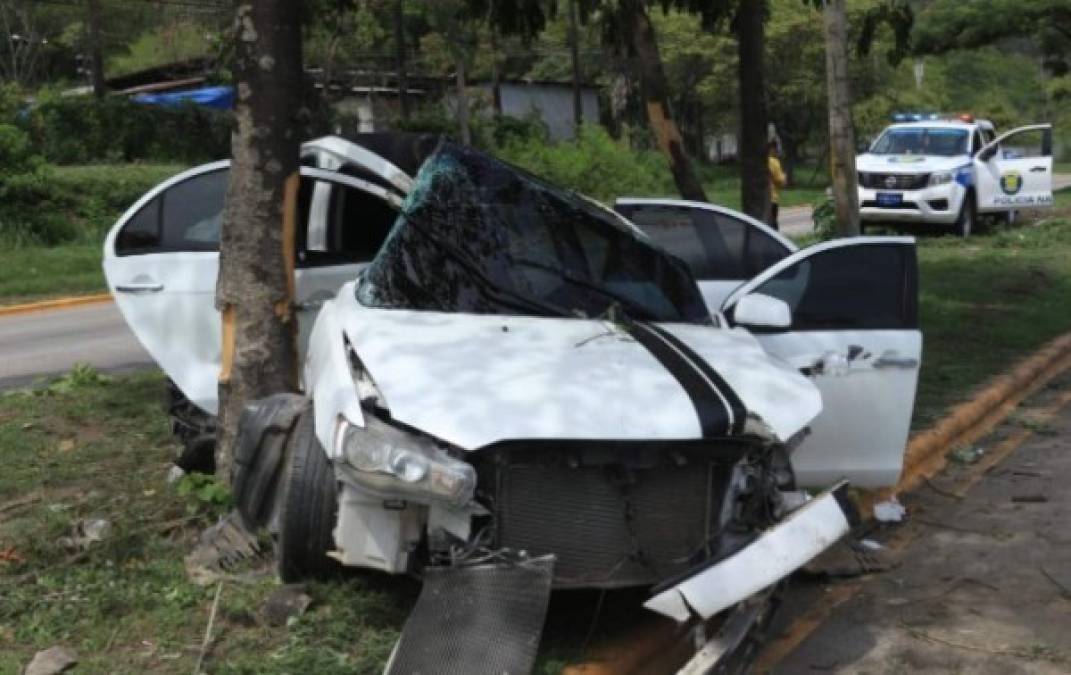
967, 222
309, 510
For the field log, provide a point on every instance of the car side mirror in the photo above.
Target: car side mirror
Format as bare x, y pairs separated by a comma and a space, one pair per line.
762, 311
986, 154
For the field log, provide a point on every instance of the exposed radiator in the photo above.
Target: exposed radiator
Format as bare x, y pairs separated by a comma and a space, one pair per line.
608, 524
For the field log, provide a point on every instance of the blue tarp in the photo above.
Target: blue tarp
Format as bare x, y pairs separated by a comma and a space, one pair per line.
220, 98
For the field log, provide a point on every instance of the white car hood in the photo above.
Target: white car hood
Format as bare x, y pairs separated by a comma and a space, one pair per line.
472, 380
909, 163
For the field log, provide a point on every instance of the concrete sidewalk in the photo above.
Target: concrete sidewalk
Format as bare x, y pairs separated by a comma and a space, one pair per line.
985, 584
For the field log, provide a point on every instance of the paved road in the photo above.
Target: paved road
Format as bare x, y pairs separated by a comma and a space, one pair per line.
796, 220
51, 342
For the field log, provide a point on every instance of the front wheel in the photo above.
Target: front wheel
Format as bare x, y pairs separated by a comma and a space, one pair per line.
310, 509
968, 217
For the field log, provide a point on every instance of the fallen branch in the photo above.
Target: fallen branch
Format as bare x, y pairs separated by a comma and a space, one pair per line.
208, 630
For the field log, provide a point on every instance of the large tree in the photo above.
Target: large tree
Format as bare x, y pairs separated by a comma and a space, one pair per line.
754, 176
841, 131
255, 289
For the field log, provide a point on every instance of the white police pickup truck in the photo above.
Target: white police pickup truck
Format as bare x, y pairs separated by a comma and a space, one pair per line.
935, 170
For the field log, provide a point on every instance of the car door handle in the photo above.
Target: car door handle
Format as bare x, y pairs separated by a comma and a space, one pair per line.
896, 362
1037, 169
137, 289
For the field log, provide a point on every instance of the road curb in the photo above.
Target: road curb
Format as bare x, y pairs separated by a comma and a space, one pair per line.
654, 645
58, 303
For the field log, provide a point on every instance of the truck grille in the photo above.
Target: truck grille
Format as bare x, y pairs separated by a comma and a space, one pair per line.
609, 522
893, 181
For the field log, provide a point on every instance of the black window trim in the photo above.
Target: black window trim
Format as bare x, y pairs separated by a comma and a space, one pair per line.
910, 299
155, 193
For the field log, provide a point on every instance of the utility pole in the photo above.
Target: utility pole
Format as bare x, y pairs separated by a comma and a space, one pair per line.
399, 59
841, 131
574, 49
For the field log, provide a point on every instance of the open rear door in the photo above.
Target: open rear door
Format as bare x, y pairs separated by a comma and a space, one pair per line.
1014, 171
855, 332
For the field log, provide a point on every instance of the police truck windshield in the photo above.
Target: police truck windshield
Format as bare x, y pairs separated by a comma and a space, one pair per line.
939, 141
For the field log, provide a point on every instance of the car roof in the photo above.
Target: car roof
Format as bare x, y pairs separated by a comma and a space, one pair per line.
943, 124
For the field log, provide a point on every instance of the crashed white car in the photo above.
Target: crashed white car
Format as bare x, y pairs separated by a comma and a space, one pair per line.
518, 390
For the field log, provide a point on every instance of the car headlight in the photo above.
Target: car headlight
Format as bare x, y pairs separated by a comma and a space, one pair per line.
398, 464
940, 178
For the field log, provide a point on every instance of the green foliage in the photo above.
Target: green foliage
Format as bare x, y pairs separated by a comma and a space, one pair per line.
81, 376
78, 129
204, 492
595, 165
56, 205
160, 45
824, 216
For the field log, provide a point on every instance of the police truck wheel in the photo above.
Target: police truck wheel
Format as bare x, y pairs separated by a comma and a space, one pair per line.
968, 217
310, 509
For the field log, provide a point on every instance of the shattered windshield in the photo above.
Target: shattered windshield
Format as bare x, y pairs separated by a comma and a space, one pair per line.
479, 236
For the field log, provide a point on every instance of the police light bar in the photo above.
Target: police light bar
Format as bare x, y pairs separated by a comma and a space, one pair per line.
914, 117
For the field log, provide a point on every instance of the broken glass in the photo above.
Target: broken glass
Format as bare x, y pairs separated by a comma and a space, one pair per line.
479, 236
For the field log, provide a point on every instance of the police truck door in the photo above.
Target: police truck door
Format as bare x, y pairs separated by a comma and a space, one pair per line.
1015, 170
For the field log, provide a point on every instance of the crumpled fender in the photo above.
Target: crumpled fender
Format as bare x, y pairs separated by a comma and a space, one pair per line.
328, 378
259, 452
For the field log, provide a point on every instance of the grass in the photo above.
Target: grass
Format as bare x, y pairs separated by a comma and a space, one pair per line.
987, 302
88, 446
35, 272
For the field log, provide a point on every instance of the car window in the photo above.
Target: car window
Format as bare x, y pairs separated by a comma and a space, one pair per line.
1026, 145
939, 141
853, 287
976, 142
716, 246
185, 217
357, 223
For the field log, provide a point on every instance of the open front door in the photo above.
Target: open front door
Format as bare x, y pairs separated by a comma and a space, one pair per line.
854, 331
1015, 170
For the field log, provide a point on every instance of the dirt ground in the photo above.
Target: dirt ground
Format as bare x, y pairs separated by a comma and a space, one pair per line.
983, 583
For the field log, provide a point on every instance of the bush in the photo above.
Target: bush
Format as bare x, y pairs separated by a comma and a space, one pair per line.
78, 130
25, 216
594, 164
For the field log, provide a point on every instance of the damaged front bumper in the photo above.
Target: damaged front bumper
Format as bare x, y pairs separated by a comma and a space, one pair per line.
779, 551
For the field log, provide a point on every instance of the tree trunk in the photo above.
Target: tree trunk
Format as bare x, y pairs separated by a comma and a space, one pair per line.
574, 54
496, 77
96, 47
400, 61
255, 289
462, 97
841, 133
655, 91
754, 169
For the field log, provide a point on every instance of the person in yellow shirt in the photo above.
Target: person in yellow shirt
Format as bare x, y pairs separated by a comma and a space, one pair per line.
777, 181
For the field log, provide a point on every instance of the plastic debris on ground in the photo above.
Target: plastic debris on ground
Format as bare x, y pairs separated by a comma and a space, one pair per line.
889, 511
